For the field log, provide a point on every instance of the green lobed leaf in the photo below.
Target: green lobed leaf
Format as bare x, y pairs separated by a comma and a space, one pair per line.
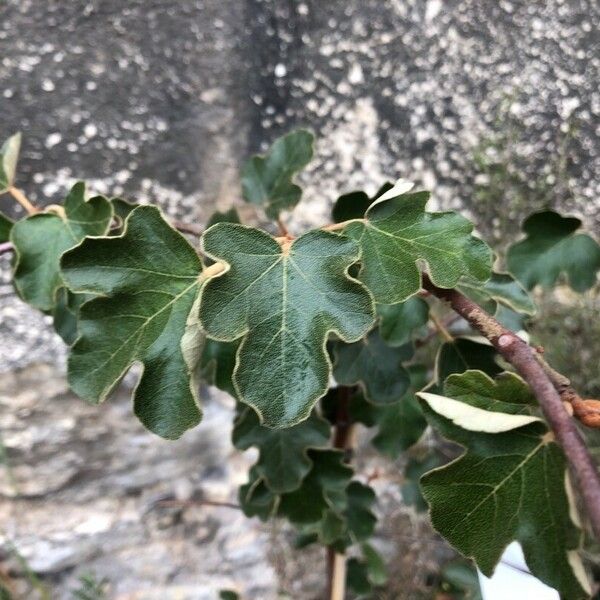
398, 322
283, 301
367, 572
354, 204
399, 425
346, 520
324, 485
148, 278
505, 393
463, 354
66, 313
376, 570
375, 366
402, 424
358, 514
510, 319
268, 180
9, 155
397, 233
256, 499
510, 484
501, 288
357, 577
552, 247
41, 239
283, 461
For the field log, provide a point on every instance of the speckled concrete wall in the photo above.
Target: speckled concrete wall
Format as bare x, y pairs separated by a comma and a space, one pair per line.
160, 101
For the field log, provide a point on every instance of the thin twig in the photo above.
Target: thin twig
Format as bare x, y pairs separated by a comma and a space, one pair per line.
212, 271
440, 328
524, 359
338, 226
338, 583
21, 198
433, 331
188, 228
283, 230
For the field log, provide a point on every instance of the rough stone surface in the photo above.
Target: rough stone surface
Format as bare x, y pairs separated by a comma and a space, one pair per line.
88, 490
161, 102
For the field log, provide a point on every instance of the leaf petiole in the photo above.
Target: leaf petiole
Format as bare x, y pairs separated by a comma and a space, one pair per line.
21, 198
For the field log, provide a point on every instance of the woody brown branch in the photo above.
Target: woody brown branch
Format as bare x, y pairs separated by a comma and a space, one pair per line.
526, 361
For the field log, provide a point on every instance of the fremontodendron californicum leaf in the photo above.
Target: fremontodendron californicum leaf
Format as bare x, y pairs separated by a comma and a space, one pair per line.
400, 424
375, 366
41, 239
149, 279
552, 247
283, 461
283, 300
398, 322
510, 484
397, 232
267, 180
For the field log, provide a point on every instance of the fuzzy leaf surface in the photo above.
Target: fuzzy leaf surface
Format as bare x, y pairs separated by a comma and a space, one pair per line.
552, 248
397, 232
283, 301
283, 460
375, 366
9, 155
148, 279
41, 239
268, 180
510, 484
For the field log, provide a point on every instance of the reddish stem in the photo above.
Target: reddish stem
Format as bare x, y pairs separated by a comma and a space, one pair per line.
525, 361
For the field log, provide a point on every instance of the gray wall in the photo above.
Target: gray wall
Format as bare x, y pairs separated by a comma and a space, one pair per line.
161, 101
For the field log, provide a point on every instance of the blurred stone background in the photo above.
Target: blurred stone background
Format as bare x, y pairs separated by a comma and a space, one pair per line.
493, 105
